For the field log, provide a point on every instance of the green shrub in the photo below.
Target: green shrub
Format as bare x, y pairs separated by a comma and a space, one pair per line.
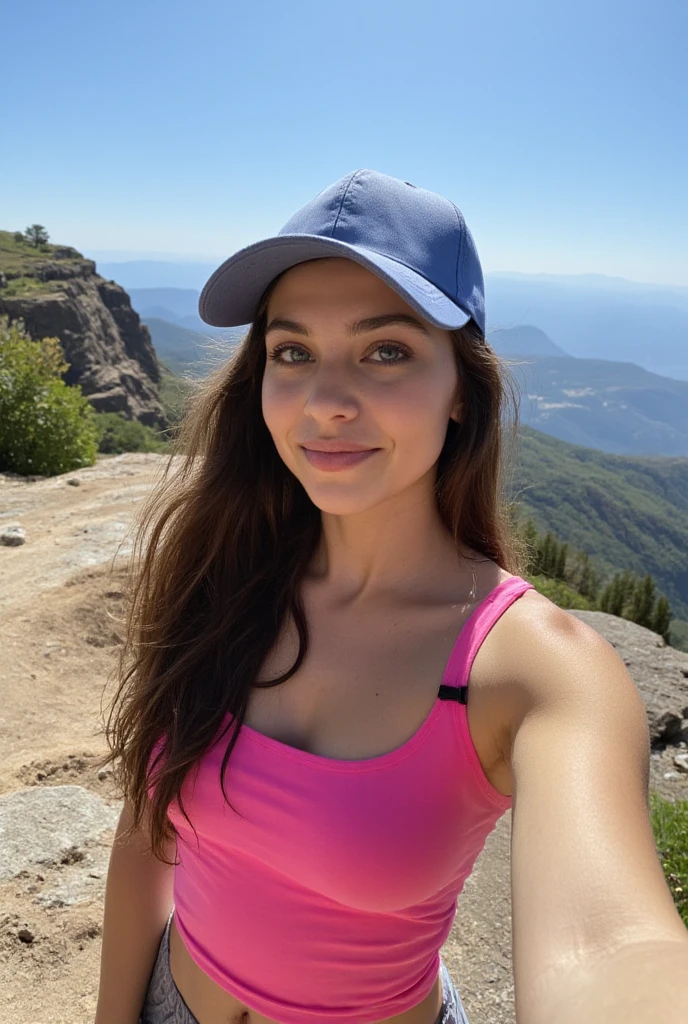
670, 828
46, 426
560, 593
118, 435
20, 286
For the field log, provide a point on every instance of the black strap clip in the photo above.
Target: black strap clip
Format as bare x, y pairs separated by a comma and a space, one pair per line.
459, 693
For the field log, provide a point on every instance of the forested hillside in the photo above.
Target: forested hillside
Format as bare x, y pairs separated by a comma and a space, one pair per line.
626, 512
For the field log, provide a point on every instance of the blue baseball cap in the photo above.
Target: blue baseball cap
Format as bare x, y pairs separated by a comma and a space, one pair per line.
416, 241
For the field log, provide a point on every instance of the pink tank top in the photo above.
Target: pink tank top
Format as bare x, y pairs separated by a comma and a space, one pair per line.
329, 900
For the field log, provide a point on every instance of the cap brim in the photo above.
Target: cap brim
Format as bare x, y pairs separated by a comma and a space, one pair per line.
231, 295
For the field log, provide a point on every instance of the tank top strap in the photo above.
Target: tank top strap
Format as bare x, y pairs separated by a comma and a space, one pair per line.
473, 632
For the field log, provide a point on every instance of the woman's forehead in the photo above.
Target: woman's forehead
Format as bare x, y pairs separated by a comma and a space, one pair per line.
331, 284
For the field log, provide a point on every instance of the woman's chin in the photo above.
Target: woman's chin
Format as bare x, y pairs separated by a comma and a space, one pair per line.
342, 504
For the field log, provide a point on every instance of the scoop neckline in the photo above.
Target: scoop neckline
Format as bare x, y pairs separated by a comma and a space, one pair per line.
389, 756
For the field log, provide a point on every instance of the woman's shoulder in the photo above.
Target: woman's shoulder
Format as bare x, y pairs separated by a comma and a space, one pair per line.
533, 619
532, 648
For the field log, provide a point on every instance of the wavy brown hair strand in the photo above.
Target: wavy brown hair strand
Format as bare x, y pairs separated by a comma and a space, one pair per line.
478, 459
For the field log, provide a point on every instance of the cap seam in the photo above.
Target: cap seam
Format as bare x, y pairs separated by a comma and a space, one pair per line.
346, 190
460, 248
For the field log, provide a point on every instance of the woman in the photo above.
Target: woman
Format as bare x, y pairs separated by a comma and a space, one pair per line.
337, 679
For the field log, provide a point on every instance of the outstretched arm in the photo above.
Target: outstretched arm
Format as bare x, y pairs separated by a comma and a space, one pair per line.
597, 937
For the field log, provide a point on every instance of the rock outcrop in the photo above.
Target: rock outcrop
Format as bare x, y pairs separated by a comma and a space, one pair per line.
58, 293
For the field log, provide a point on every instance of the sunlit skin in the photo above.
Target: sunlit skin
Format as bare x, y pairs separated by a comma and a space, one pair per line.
391, 388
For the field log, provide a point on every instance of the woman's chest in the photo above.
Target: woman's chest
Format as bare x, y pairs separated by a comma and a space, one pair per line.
366, 687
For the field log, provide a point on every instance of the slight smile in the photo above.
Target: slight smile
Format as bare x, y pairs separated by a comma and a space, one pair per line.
333, 455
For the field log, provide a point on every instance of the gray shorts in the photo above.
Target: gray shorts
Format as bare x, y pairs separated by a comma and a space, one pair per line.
164, 1004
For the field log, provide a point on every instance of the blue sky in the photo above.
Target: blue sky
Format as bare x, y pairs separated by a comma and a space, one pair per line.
559, 129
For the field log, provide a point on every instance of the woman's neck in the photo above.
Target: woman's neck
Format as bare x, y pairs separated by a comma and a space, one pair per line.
397, 545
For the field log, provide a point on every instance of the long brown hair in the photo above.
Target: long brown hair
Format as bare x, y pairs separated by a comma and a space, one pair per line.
222, 544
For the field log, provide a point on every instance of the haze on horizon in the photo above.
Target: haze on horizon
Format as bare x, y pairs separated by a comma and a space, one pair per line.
178, 132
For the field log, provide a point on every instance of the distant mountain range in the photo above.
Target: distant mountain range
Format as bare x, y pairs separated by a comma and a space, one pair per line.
175, 305
616, 407
523, 340
596, 317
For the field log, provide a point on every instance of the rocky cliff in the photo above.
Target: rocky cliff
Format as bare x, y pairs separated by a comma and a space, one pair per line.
58, 293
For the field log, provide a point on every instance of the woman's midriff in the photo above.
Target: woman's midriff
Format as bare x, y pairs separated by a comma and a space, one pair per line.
211, 1004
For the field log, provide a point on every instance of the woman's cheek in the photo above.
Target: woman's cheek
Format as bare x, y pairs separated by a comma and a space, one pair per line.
278, 406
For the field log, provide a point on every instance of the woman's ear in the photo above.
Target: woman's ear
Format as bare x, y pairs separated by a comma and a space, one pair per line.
455, 414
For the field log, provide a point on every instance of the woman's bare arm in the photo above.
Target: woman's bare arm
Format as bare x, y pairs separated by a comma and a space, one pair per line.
138, 901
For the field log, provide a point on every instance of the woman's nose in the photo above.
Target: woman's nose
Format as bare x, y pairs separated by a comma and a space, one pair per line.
331, 395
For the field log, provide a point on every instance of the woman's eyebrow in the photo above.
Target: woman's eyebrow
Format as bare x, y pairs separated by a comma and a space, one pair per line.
371, 323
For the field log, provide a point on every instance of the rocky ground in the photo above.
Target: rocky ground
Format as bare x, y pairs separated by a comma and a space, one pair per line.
61, 603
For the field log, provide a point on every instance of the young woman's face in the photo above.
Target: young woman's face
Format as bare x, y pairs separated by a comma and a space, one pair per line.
353, 369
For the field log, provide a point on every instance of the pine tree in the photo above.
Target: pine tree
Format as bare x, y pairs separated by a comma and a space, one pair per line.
560, 565
547, 555
530, 538
36, 235
628, 584
614, 595
594, 585
585, 577
642, 604
661, 619
605, 598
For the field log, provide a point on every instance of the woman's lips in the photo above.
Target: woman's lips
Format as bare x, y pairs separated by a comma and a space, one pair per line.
337, 460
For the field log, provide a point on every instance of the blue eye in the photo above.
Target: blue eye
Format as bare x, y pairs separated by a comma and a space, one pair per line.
402, 353
279, 350
399, 354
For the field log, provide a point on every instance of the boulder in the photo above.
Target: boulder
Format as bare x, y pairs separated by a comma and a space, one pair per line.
50, 826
